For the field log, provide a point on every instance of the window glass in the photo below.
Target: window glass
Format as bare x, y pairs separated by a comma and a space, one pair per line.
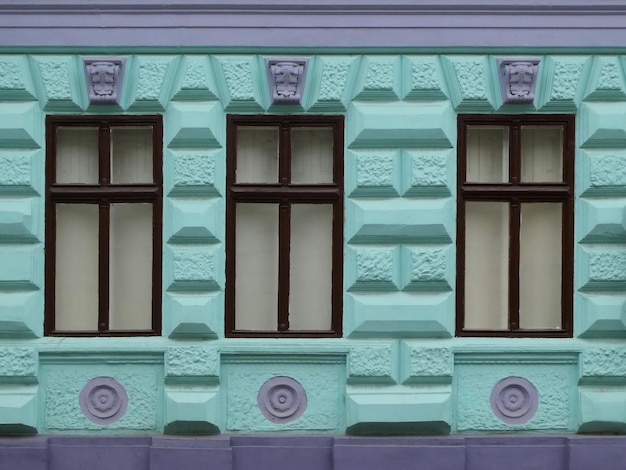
103, 252
130, 267
515, 209
283, 242
131, 155
77, 155
310, 302
486, 265
487, 154
311, 155
256, 284
540, 265
542, 154
257, 155
76, 267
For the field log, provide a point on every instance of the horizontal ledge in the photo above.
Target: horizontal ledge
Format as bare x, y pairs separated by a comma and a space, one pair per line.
338, 6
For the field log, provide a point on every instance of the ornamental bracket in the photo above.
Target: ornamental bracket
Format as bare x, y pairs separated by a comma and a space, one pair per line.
518, 79
285, 78
104, 78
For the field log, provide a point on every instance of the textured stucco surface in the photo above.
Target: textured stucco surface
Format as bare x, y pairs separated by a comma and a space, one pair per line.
63, 386
399, 264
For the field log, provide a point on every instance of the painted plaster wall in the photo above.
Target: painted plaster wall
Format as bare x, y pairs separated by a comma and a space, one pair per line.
398, 368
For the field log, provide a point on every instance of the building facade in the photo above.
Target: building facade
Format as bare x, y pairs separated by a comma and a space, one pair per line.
347, 235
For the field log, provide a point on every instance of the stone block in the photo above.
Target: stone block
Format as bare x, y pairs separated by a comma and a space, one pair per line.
399, 410
194, 125
373, 362
20, 220
381, 78
602, 409
329, 83
191, 410
384, 221
197, 220
60, 82
194, 268
18, 409
193, 315
430, 124
195, 80
602, 125
21, 126
194, 173
150, 81
471, 83
241, 83
399, 315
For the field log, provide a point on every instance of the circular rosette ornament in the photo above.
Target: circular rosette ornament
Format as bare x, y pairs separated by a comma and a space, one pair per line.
103, 400
514, 400
282, 399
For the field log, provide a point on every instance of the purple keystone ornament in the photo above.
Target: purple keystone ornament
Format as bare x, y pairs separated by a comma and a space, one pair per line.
103, 400
282, 399
514, 400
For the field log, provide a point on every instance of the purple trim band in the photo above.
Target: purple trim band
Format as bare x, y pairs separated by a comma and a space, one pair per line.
313, 453
312, 23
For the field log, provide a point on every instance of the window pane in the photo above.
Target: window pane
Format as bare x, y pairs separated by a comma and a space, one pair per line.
256, 265
131, 155
130, 267
487, 154
310, 273
77, 155
540, 265
486, 265
257, 155
76, 268
311, 155
542, 153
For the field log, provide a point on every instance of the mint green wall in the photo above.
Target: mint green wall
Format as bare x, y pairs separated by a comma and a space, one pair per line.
399, 367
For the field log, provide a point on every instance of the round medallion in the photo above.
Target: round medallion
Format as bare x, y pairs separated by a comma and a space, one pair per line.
514, 400
103, 400
282, 399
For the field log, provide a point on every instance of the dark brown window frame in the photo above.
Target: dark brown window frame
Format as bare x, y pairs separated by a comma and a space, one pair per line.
285, 193
515, 192
103, 194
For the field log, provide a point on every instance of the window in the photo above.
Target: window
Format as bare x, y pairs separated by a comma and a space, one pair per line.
103, 225
515, 225
284, 226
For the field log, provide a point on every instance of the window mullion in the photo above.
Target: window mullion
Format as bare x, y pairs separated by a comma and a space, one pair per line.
515, 164
104, 146
514, 260
103, 267
284, 155
284, 240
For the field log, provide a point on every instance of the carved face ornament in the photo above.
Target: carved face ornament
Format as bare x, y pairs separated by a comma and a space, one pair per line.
103, 77
287, 75
520, 78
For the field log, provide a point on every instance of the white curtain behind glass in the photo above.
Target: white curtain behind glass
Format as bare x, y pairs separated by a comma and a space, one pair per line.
130, 267
76, 269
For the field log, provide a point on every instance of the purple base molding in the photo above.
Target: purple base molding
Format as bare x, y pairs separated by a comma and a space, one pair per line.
512, 452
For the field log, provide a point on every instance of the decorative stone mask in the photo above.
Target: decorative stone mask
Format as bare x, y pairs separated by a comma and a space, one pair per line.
286, 80
518, 78
104, 80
